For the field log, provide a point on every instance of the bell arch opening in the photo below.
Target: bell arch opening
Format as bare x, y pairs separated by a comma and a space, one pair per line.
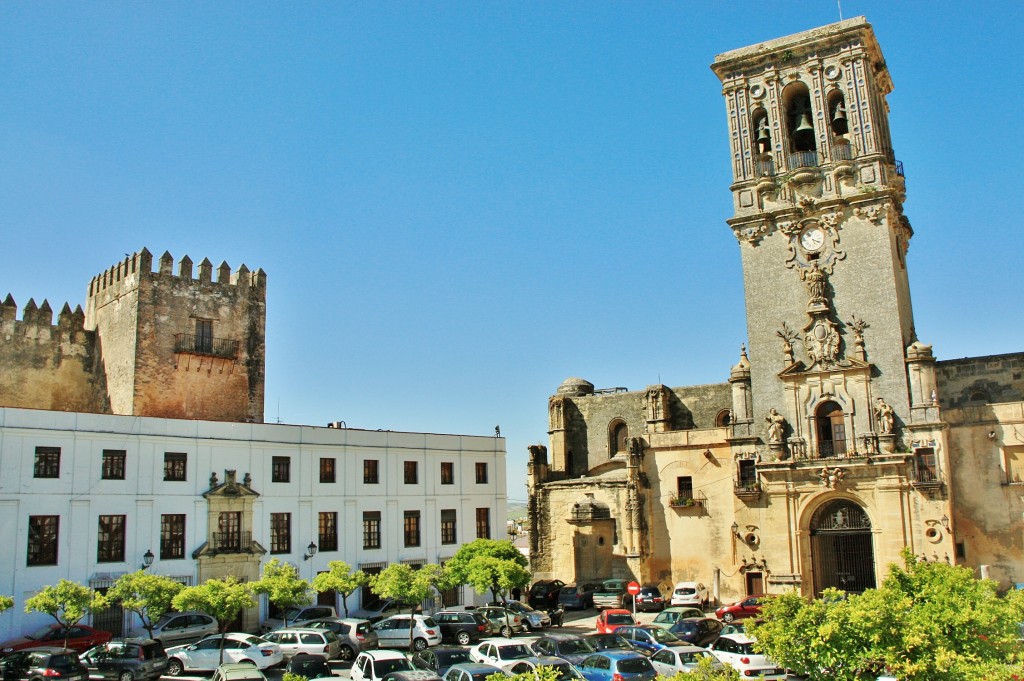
842, 548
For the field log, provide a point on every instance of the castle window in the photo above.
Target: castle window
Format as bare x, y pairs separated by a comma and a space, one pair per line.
280, 532
281, 469
110, 541
483, 523
42, 539
481, 473
174, 466
723, 418
371, 529
411, 527
447, 473
412, 472
371, 472
618, 433
448, 526
172, 536
327, 531
47, 462
113, 464
327, 471
204, 336
831, 430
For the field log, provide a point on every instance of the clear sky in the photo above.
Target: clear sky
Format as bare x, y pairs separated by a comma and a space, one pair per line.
460, 204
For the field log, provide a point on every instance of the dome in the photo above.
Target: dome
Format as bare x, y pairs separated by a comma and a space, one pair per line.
576, 387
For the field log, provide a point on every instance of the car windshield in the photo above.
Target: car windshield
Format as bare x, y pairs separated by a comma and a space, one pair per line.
686, 590
564, 671
39, 634
428, 622
574, 647
383, 667
662, 635
568, 591
684, 627
253, 640
514, 652
290, 614
635, 665
451, 657
620, 618
310, 667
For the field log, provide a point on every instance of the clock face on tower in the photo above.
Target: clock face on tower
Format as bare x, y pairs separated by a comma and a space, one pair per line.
812, 239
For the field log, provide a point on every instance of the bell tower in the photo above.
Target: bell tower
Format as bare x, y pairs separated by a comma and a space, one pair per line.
818, 213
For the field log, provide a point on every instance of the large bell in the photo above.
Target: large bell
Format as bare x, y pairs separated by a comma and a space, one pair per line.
804, 125
839, 125
764, 140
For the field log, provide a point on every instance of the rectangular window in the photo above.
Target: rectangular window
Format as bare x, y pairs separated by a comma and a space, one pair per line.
113, 464
447, 473
172, 536
926, 464
42, 539
1014, 465
483, 523
481, 473
281, 469
229, 531
448, 526
748, 474
204, 335
328, 531
412, 528
371, 529
371, 472
110, 541
47, 462
327, 471
280, 532
684, 487
174, 466
412, 473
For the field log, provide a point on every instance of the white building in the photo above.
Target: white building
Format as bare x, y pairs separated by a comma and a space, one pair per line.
86, 497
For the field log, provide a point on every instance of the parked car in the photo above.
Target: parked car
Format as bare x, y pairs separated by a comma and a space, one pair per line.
354, 635
473, 671
670, 661
698, 631
131, 659
38, 663
577, 596
306, 640
414, 675
78, 638
648, 638
571, 647
234, 671
533, 619
500, 621
298, 616
737, 627
176, 628
672, 614
691, 593
461, 626
612, 594
378, 610
393, 632
238, 647
610, 620
440, 658
649, 599
608, 642
563, 668
500, 652
738, 652
311, 666
544, 593
748, 607
617, 665
374, 665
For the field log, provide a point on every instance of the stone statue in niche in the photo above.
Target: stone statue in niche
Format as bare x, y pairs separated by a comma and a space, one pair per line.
885, 416
213, 480
816, 281
776, 425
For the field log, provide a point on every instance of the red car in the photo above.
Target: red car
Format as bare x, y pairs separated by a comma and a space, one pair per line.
748, 607
613, 618
79, 637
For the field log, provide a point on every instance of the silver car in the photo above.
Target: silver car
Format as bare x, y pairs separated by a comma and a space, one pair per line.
355, 635
175, 628
295, 640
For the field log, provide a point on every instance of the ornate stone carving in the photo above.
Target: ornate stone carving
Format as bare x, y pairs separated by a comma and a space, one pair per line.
213, 480
788, 227
787, 335
831, 478
776, 425
817, 284
822, 342
827, 256
752, 234
858, 326
872, 214
555, 409
885, 417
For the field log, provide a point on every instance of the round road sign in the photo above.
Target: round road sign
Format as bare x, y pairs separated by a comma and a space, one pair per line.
633, 588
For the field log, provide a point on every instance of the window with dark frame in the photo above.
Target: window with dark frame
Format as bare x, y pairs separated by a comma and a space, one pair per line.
42, 539
229, 535
281, 469
747, 474
412, 472
280, 532
174, 466
47, 462
483, 523
447, 473
327, 531
327, 470
411, 526
371, 529
371, 472
110, 540
448, 535
684, 487
926, 464
113, 464
481, 473
204, 335
172, 536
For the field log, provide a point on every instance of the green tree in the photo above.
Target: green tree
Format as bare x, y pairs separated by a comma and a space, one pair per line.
6, 603
283, 586
407, 586
340, 579
929, 621
705, 671
460, 568
147, 595
222, 599
67, 603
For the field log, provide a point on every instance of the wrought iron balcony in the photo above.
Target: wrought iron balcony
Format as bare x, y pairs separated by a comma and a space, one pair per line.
205, 345
231, 542
832, 449
764, 166
842, 152
682, 502
803, 159
746, 489
925, 478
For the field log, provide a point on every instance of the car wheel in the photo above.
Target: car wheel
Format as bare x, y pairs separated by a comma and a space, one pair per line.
420, 644
728, 617
175, 667
463, 638
506, 631
346, 653
126, 676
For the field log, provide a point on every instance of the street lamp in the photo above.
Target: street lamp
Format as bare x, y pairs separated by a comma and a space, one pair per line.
310, 551
147, 559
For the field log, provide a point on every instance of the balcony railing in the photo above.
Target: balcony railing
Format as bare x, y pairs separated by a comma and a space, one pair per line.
681, 501
764, 167
925, 477
231, 542
205, 345
842, 152
803, 159
746, 488
831, 449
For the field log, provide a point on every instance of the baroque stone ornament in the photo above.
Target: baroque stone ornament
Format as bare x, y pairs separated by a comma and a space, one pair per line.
822, 342
831, 478
824, 256
885, 416
776, 425
858, 326
787, 335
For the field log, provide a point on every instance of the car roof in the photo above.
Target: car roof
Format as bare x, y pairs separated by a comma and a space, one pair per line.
617, 611
240, 670
738, 638
619, 654
560, 636
53, 650
475, 667
306, 630
384, 654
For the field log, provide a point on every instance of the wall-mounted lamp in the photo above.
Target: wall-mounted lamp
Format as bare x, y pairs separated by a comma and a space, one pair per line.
708, 455
147, 559
736, 531
945, 522
310, 551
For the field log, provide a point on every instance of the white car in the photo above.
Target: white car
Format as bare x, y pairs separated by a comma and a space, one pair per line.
566, 670
393, 632
295, 640
737, 651
670, 661
205, 655
374, 665
500, 652
691, 593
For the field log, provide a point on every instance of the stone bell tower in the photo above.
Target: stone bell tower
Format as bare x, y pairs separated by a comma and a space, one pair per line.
818, 213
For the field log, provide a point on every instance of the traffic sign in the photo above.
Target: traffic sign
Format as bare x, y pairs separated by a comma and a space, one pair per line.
633, 588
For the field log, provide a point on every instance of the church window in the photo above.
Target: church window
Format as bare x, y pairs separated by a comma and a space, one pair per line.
926, 466
618, 432
747, 474
831, 430
837, 121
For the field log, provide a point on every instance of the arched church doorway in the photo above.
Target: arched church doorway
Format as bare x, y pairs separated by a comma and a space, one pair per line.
842, 550
831, 430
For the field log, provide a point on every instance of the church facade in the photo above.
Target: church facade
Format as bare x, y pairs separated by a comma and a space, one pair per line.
838, 438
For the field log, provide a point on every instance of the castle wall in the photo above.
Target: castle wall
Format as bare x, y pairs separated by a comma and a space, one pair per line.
111, 311
980, 380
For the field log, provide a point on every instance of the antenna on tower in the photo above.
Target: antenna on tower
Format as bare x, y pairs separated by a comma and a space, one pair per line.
279, 410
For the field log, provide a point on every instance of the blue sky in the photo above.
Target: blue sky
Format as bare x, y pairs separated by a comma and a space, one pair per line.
460, 204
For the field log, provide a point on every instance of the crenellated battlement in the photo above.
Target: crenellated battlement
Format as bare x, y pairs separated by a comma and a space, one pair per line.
34, 317
126, 274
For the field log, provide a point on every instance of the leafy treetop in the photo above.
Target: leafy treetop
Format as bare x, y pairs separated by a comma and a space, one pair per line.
340, 579
147, 595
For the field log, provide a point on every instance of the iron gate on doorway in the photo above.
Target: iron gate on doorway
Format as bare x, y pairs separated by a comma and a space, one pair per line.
842, 548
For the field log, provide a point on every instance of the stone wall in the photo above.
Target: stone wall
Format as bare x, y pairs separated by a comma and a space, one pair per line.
980, 380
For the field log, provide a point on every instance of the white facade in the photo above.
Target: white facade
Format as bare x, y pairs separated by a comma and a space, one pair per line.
79, 494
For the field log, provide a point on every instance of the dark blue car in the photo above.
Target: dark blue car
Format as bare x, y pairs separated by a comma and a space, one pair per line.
571, 647
650, 639
617, 665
